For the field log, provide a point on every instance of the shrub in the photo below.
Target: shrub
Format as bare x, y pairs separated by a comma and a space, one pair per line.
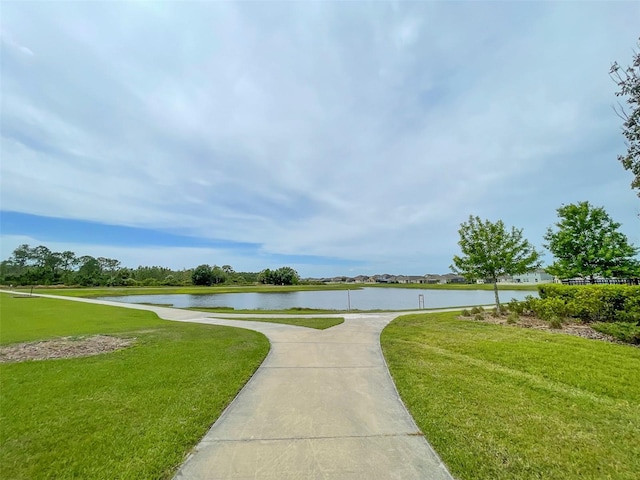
517, 307
476, 310
513, 318
465, 313
555, 322
549, 308
478, 316
625, 331
604, 303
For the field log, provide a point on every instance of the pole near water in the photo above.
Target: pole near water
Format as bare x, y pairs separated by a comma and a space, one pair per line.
421, 301
348, 300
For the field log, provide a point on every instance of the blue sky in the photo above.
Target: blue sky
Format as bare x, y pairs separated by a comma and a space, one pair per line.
334, 137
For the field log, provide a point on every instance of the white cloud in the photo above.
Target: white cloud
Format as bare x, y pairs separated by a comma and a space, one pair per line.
360, 131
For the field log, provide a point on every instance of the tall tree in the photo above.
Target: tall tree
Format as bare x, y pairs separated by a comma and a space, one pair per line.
628, 81
202, 275
218, 275
586, 243
489, 251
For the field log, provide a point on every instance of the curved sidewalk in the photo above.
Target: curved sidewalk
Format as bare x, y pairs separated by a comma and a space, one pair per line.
321, 406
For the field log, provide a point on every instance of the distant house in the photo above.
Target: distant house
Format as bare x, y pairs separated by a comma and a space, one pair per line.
432, 279
537, 276
453, 278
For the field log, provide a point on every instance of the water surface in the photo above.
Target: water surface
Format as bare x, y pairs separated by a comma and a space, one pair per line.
362, 299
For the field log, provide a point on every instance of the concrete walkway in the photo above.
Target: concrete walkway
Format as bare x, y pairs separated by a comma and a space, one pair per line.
321, 406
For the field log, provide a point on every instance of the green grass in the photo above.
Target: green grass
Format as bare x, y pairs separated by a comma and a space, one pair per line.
288, 311
134, 413
319, 323
509, 403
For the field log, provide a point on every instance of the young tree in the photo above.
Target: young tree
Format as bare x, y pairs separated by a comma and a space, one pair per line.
490, 250
587, 243
628, 80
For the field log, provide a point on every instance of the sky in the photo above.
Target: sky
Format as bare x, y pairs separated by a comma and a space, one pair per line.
338, 138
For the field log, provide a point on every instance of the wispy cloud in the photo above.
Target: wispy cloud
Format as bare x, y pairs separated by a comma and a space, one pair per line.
357, 131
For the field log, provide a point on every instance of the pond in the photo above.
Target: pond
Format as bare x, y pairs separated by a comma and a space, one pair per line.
361, 299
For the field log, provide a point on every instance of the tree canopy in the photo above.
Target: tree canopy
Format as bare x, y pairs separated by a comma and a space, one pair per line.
628, 81
280, 276
489, 251
586, 243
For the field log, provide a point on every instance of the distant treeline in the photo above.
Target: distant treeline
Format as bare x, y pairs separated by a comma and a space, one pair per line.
41, 266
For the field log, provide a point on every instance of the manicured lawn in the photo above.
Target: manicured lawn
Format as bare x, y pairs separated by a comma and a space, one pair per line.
288, 311
317, 323
134, 413
503, 402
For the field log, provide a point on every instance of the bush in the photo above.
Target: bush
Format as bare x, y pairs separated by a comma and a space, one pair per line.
549, 308
513, 318
603, 303
517, 307
555, 322
465, 313
476, 310
625, 331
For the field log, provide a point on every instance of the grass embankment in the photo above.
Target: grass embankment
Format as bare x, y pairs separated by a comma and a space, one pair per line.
319, 323
134, 413
504, 403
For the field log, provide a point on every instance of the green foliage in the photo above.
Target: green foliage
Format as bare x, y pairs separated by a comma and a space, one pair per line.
550, 309
489, 250
591, 303
625, 331
202, 275
517, 307
465, 313
218, 275
587, 243
319, 323
555, 322
280, 276
513, 318
476, 310
628, 80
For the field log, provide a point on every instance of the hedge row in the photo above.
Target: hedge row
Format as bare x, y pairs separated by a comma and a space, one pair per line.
591, 303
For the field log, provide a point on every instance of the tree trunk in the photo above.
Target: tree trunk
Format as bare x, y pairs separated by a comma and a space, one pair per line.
495, 292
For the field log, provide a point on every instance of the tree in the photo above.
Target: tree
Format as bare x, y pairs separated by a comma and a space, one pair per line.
280, 276
628, 80
587, 243
218, 275
285, 276
202, 275
490, 251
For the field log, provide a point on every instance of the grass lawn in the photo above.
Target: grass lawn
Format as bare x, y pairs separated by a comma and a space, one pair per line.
504, 402
317, 323
134, 413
